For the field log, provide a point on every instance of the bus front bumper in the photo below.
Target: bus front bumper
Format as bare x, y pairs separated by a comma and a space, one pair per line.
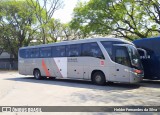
136, 78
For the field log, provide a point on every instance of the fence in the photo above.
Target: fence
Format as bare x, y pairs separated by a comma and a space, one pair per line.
8, 64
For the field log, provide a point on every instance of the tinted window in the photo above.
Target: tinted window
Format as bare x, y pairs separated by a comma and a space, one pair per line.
121, 56
22, 53
45, 52
92, 49
27, 53
34, 53
108, 47
58, 51
73, 50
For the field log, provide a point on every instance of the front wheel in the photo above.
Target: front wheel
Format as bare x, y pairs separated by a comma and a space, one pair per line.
99, 78
37, 74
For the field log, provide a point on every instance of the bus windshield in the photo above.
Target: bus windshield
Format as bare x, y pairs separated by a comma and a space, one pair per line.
134, 56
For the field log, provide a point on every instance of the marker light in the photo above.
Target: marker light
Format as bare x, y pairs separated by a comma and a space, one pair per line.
138, 71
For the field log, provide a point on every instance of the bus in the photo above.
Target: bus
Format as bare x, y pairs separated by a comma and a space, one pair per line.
151, 59
99, 60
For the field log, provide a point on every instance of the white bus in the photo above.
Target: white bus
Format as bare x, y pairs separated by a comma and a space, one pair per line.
100, 60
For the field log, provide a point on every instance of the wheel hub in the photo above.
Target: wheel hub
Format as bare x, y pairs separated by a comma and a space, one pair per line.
98, 78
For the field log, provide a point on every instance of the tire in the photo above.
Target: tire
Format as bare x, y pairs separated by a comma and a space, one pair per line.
37, 74
110, 83
98, 78
52, 78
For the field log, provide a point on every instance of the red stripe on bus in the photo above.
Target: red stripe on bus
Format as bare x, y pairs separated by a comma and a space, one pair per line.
45, 68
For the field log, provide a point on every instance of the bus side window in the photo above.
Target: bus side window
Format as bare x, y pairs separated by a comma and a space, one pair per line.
58, 51
96, 51
34, 53
73, 50
86, 49
37, 52
108, 46
92, 50
45, 52
22, 53
27, 53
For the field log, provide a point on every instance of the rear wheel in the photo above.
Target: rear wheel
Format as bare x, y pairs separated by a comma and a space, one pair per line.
99, 78
37, 74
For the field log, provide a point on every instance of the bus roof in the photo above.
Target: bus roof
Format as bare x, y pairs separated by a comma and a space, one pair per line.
147, 39
79, 41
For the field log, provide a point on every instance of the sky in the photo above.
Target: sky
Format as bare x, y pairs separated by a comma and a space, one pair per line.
65, 13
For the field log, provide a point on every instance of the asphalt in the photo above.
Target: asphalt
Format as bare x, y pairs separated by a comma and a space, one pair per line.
19, 90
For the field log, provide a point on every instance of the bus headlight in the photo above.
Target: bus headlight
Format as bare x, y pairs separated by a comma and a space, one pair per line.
138, 71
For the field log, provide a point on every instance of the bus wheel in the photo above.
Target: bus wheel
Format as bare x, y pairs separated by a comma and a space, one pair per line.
52, 78
37, 74
110, 83
99, 78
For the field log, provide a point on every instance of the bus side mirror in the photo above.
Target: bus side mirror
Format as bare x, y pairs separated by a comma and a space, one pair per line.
135, 61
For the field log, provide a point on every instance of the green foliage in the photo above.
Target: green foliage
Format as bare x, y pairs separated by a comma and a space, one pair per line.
28, 22
17, 24
44, 10
130, 19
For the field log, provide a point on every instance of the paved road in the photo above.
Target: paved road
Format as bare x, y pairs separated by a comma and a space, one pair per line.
17, 90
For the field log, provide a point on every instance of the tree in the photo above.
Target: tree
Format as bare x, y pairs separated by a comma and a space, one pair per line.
54, 30
44, 12
57, 31
17, 24
123, 18
72, 32
151, 7
1, 50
